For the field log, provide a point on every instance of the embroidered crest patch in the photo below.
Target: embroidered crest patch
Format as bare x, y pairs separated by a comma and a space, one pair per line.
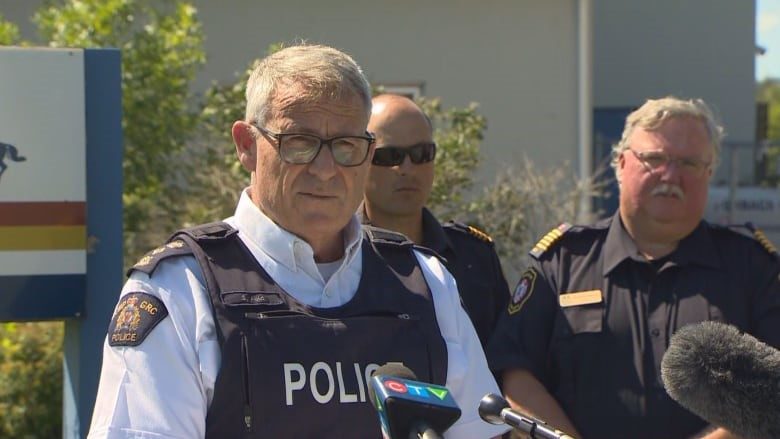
135, 316
523, 290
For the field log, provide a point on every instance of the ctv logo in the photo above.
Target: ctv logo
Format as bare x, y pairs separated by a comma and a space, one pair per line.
413, 389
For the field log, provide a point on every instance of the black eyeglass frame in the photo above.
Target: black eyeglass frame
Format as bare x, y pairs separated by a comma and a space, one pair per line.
405, 151
279, 140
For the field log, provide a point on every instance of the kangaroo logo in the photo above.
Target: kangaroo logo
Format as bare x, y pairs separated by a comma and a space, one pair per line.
12, 153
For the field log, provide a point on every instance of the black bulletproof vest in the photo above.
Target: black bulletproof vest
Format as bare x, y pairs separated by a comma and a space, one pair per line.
292, 370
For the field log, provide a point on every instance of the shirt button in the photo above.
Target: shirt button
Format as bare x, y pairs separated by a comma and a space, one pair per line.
655, 332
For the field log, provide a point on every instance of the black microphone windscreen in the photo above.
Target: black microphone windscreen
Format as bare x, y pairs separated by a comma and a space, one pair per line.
390, 369
729, 379
490, 408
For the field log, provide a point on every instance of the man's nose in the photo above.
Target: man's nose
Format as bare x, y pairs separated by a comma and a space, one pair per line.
672, 168
406, 165
323, 166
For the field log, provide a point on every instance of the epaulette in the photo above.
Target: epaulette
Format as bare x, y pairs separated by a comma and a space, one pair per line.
469, 230
549, 239
148, 263
757, 234
379, 235
208, 232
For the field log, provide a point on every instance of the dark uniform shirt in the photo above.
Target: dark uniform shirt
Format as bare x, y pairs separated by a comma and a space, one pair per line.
591, 319
471, 258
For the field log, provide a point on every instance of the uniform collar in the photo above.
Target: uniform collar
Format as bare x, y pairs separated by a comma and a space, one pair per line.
434, 236
282, 246
697, 248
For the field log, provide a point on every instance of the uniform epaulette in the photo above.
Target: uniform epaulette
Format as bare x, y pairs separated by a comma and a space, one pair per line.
210, 231
549, 239
470, 230
757, 234
148, 263
384, 236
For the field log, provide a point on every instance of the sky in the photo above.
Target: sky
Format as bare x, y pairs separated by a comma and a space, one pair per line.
768, 37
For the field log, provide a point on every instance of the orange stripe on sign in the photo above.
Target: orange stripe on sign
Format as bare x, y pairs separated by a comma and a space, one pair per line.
43, 238
66, 213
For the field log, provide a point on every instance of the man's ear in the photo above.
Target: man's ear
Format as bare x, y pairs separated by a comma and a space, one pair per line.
371, 149
246, 145
621, 163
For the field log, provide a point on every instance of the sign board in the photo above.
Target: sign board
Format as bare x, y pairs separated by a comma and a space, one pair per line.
43, 178
61, 204
758, 205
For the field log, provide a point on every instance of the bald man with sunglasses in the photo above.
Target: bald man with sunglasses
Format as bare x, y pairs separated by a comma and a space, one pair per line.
399, 184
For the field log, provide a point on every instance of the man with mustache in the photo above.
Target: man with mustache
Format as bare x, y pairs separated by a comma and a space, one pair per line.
581, 342
399, 184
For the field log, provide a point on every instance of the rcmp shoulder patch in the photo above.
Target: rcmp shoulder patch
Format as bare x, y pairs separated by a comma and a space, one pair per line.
135, 316
523, 291
549, 239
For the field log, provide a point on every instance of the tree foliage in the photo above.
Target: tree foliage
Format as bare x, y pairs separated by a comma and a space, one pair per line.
161, 44
9, 32
769, 165
524, 203
458, 133
31, 380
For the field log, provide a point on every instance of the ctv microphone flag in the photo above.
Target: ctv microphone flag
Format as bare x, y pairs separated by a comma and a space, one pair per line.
408, 407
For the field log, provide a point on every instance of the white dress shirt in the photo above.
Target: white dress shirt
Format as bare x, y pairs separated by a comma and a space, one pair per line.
163, 387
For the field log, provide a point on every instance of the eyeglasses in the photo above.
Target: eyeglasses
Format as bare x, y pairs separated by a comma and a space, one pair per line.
395, 155
653, 160
300, 149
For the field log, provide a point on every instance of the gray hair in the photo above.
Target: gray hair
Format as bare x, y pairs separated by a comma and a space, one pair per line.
320, 71
654, 112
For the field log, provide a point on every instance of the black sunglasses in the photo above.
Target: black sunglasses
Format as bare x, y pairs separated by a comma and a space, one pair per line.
395, 155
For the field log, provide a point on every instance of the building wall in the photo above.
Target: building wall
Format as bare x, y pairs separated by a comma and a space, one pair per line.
517, 59
687, 48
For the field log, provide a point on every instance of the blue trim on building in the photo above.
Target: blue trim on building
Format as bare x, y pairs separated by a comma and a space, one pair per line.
607, 128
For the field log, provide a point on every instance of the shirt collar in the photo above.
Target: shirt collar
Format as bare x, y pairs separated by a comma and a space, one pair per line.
618, 246
697, 248
279, 244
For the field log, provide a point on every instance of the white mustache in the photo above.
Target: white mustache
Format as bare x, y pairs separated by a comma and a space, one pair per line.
668, 189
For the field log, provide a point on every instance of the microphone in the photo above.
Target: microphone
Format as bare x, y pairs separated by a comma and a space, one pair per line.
495, 410
728, 378
409, 408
